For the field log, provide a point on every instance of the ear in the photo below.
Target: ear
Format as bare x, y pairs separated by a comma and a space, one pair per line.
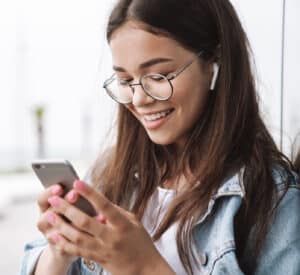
215, 75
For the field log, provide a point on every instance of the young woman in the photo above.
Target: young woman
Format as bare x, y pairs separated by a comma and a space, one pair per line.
195, 183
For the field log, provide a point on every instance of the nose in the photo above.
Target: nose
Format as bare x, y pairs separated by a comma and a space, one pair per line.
140, 97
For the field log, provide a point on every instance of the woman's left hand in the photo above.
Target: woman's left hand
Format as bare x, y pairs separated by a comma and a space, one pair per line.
119, 242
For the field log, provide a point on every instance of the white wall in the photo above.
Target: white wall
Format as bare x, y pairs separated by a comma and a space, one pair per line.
291, 81
263, 21
54, 53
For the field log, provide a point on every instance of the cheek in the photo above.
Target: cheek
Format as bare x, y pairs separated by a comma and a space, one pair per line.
190, 100
193, 111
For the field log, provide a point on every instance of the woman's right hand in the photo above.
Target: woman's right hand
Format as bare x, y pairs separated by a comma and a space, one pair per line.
45, 226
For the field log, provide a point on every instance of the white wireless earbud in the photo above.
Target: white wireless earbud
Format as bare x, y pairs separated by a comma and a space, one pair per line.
215, 76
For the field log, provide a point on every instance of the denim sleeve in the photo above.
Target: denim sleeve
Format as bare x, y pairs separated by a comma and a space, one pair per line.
33, 251
281, 253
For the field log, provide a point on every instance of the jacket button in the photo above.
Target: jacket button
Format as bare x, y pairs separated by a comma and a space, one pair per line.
203, 258
90, 264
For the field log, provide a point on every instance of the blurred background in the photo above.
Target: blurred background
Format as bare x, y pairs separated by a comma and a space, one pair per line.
53, 60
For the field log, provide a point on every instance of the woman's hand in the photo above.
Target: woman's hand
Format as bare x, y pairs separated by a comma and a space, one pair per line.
118, 242
44, 224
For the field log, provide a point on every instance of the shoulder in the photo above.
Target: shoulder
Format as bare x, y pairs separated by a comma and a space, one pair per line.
289, 182
283, 177
288, 206
281, 251
214, 233
287, 213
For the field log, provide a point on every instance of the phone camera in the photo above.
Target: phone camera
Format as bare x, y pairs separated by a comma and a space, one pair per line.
37, 166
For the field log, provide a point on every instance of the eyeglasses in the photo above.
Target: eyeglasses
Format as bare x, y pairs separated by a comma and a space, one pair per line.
155, 85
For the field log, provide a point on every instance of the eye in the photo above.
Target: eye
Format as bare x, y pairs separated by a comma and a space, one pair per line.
158, 77
123, 82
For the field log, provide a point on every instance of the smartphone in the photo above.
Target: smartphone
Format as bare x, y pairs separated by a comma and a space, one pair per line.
61, 172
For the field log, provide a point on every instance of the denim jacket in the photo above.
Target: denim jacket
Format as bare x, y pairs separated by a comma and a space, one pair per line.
214, 236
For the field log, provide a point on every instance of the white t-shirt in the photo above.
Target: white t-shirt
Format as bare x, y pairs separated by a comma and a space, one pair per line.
166, 244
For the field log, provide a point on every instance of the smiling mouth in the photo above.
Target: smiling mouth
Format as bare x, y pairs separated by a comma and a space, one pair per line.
158, 116
155, 121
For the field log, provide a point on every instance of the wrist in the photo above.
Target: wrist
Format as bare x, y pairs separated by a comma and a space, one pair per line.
58, 256
159, 266
52, 262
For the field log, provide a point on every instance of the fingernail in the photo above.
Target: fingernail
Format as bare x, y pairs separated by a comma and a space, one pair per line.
56, 190
101, 218
71, 197
79, 185
51, 218
54, 201
55, 237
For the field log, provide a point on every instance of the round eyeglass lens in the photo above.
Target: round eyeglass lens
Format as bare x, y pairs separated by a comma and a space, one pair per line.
120, 90
157, 85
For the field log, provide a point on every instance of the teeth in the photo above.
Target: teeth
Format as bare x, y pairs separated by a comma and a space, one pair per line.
157, 115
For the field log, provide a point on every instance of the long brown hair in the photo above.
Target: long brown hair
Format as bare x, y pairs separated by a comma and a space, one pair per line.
228, 135
297, 163
296, 153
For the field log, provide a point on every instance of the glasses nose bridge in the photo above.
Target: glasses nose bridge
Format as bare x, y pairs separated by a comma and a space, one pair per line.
133, 85
140, 97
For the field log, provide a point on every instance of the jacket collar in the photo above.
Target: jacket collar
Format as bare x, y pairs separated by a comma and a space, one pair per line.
232, 186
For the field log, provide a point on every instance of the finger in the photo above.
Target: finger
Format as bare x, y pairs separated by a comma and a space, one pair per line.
42, 224
71, 233
72, 196
65, 246
46, 194
101, 204
54, 238
79, 219
101, 218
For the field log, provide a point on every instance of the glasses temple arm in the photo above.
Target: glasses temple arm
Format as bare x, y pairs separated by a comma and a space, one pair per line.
175, 74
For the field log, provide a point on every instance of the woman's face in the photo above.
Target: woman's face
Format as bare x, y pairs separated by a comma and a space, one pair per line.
133, 51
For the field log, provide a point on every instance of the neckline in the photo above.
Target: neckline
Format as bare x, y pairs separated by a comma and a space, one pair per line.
167, 191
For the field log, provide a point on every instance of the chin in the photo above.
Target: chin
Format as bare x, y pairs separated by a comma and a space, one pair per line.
161, 140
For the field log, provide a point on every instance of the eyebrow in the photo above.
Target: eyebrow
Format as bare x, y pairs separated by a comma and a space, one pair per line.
146, 64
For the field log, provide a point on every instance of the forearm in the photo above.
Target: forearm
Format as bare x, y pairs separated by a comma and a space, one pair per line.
51, 264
